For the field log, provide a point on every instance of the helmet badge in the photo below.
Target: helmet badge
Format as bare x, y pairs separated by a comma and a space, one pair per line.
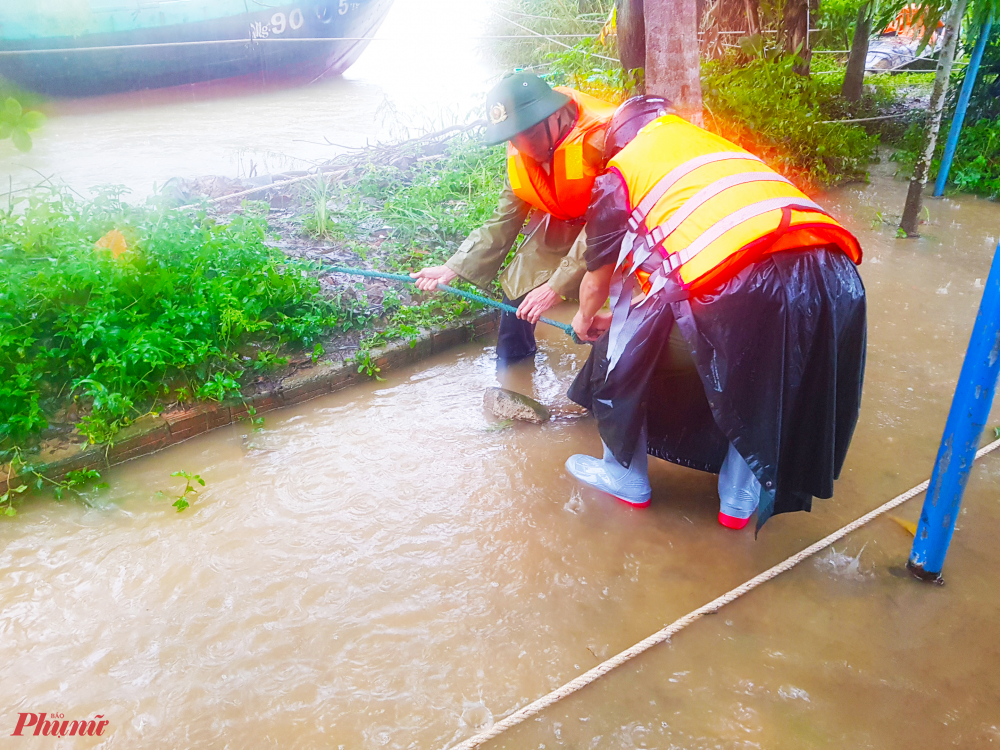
497, 113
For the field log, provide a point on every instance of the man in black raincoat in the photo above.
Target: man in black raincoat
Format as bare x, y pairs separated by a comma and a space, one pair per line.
756, 373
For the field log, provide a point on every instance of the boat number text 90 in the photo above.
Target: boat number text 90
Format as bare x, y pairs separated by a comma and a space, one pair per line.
294, 20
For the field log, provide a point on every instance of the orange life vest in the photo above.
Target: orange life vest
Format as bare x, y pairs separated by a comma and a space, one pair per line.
703, 208
565, 193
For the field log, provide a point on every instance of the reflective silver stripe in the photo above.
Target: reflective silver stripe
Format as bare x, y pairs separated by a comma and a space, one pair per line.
638, 215
736, 218
616, 345
621, 300
706, 194
628, 241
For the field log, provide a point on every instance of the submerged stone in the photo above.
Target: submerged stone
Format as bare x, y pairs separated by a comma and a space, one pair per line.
512, 405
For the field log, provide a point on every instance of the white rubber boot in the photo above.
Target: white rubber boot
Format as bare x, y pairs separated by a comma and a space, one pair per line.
739, 491
629, 485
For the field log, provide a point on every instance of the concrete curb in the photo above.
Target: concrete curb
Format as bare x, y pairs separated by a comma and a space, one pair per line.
149, 434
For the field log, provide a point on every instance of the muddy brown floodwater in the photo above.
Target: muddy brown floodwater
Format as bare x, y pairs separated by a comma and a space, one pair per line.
383, 568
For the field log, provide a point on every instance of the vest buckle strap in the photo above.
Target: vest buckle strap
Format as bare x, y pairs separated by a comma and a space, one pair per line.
672, 262
641, 251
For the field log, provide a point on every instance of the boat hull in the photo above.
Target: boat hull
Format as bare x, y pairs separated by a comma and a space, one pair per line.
257, 46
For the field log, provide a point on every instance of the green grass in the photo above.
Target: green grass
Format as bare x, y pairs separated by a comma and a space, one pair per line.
99, 337
429, 208
781, 116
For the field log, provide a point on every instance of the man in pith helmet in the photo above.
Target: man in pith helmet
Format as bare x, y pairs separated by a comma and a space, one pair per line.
555, 151
736, 338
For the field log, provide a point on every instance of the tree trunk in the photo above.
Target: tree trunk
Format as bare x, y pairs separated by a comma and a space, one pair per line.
753, 16
796, 33
673, 64
914, 196
632, 43
854, 78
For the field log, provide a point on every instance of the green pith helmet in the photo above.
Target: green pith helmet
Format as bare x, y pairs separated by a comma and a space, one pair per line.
517, 103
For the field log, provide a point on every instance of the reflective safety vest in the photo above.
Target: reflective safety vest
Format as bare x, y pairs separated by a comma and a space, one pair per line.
565, 193
703, 208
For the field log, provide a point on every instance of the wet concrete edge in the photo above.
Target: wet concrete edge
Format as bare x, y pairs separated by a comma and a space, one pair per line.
152, 433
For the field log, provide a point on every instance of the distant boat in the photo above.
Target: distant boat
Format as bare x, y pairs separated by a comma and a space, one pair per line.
897, 47
92, 47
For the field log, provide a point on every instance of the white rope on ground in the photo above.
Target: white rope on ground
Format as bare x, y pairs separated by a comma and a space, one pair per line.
553, 18
678, 625
865, 119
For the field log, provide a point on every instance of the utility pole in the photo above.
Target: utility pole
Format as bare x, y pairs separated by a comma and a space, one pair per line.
970, 410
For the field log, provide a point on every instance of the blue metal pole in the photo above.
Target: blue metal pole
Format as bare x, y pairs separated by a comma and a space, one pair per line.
970, 408
963, 104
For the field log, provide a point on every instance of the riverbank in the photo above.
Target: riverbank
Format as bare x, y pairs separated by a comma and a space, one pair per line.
165, 314
71, 455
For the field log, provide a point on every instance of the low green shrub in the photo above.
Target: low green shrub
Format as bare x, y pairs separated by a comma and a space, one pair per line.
976, 166
171, 306
766, 107
586, 68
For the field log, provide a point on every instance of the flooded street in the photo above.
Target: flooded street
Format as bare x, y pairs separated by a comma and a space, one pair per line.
389, 567
384, 568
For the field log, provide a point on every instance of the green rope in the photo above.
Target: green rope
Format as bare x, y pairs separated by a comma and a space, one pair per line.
564, 327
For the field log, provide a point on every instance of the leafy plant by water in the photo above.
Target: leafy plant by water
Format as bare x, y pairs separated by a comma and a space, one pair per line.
18, 124
179, 309
367, 365
73, 482
189, 493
